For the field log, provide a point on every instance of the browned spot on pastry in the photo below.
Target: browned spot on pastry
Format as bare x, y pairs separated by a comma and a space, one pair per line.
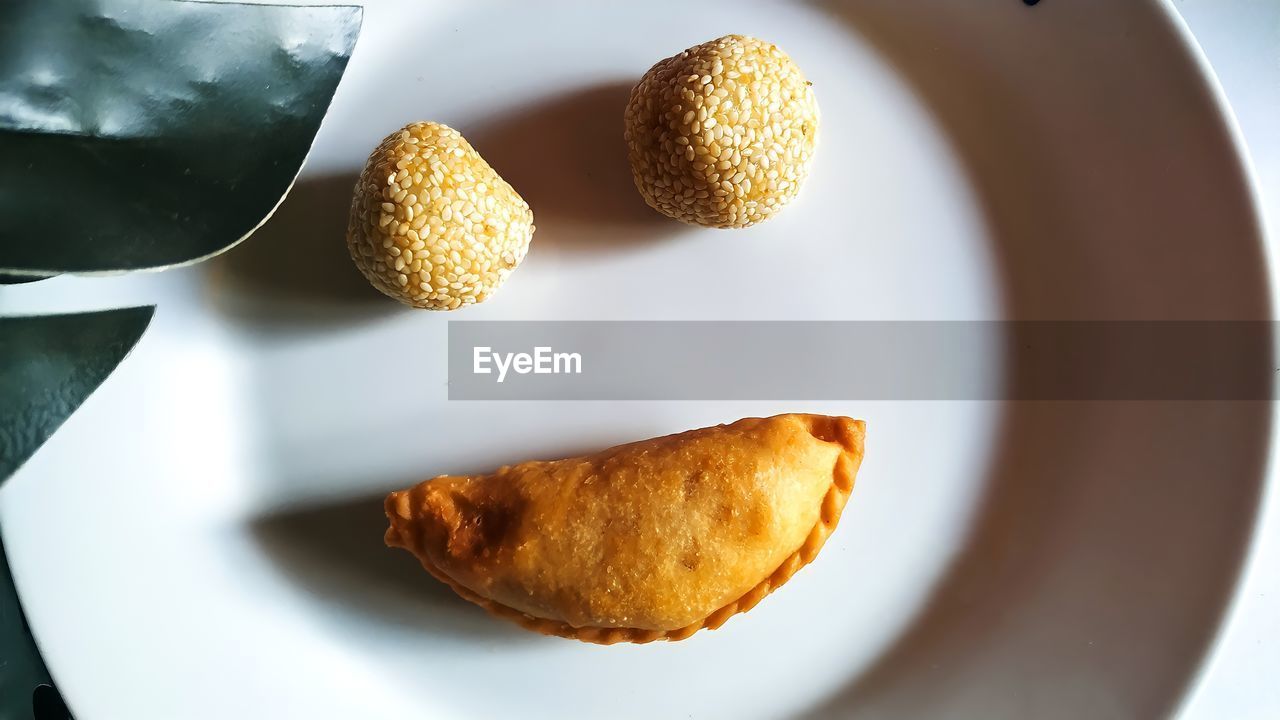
691, 558
469, 528
692, 482
485, 525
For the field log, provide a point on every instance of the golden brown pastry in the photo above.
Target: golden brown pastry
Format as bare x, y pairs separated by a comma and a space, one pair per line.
652, 540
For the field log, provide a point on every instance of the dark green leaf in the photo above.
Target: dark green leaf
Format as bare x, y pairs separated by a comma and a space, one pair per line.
149, 133
21, 279
49, 364
23, 670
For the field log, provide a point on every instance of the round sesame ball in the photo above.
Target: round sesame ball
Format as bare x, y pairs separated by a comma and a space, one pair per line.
722, 134
432, 224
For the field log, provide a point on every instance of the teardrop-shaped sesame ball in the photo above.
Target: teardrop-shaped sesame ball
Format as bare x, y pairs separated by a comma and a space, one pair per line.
432, 224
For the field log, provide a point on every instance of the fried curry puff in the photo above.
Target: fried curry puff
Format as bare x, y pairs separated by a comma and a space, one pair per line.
646, 541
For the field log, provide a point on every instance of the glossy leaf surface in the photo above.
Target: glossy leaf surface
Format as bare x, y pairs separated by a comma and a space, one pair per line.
142, 134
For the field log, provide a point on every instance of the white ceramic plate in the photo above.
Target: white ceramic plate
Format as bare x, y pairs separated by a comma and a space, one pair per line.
203, 538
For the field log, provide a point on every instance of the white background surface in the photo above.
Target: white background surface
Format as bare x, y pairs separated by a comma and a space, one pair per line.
286, 370
1242, 41
300, 405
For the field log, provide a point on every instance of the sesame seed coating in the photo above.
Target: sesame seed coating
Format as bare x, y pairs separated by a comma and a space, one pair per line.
432, 224
722, 134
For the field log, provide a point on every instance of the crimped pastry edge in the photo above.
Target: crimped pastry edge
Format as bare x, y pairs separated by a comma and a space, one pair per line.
844, 475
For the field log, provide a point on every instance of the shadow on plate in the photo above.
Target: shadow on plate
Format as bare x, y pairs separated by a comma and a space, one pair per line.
564, 155
294, 274
335, 551
1093, 581
567, 158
